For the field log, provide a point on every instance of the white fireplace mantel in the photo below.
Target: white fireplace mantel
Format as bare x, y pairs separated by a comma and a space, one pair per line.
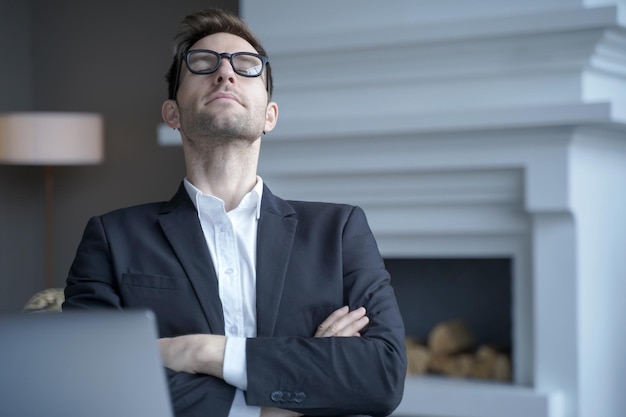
473, 129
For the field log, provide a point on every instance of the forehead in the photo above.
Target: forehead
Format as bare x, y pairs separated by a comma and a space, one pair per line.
224, 42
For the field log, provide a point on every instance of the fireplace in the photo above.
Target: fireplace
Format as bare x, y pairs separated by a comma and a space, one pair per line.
450, 216
437, 207
477, 291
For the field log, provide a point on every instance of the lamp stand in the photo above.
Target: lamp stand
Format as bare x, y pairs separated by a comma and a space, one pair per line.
49, 226
49, 139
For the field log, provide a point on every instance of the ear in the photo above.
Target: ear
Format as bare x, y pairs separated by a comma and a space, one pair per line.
170, 114
271, 116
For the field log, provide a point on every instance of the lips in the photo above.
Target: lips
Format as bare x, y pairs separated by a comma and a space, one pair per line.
223, 95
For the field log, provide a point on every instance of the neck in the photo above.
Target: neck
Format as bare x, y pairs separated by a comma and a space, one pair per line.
227, 172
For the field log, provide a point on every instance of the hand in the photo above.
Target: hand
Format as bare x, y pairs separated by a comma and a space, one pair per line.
343, 323
194, 354
278, 412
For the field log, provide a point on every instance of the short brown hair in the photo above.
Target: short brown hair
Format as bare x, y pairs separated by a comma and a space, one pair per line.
203, 23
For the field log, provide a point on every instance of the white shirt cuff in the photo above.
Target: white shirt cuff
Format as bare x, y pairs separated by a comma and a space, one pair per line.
235, 372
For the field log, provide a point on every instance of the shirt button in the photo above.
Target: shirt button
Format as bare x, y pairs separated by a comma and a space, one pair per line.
229, 271
234, 329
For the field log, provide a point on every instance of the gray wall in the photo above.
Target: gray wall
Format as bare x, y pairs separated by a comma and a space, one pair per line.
73, 55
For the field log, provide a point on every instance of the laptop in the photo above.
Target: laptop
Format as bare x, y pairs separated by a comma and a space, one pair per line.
81, 364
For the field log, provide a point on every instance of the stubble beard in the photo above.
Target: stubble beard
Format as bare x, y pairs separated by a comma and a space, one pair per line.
207, 130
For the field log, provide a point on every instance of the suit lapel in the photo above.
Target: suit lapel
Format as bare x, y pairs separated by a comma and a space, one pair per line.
276, 231
180, 223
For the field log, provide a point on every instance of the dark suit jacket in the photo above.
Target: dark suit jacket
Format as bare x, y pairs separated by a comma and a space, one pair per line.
312, 258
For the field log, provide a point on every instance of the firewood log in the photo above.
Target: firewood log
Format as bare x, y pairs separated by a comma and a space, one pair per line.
418, 357
457, 366
502, 369
450, 337
491, 364
438, 363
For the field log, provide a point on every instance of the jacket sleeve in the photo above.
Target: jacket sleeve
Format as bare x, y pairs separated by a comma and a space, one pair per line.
94, 283
338, 375
91, 282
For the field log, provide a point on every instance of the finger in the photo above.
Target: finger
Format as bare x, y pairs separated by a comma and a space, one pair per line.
354, 328
324, 329
343, 323
347, 322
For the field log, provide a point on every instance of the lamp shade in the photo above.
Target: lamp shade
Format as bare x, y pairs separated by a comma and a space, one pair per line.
51, 138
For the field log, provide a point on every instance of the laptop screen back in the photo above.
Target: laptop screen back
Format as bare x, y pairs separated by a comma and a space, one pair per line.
92, 364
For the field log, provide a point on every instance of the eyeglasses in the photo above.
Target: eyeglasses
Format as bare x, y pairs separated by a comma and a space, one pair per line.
205, 61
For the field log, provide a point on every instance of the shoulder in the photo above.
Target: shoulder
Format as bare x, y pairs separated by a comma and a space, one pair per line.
139, 210
319, 214
302, 209
180, 200
274, 203
302, 205
320, 210
126, 219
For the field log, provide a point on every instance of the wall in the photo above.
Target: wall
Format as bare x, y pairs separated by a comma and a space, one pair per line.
21, 188
473, 129
72, 55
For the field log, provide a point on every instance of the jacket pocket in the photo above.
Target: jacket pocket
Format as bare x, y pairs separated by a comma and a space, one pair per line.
162, 282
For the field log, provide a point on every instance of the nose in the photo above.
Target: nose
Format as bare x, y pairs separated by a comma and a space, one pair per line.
225, 71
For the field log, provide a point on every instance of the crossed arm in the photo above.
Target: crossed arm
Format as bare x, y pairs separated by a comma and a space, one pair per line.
204, 353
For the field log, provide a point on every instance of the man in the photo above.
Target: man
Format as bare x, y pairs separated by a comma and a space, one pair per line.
265, 306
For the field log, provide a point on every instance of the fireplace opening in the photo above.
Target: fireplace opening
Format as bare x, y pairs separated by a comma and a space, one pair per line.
468, 301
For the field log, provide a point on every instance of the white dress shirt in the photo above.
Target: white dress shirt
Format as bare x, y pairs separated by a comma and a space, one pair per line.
231, 239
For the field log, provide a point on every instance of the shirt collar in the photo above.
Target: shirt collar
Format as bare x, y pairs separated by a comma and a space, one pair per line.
251, 199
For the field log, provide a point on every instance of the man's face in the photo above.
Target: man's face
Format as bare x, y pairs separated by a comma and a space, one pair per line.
223, 106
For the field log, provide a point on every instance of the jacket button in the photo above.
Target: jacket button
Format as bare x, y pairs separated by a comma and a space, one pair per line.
287, 396
299, 397
277, 396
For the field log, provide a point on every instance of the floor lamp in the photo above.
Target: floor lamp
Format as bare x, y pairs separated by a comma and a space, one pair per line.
47, 139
